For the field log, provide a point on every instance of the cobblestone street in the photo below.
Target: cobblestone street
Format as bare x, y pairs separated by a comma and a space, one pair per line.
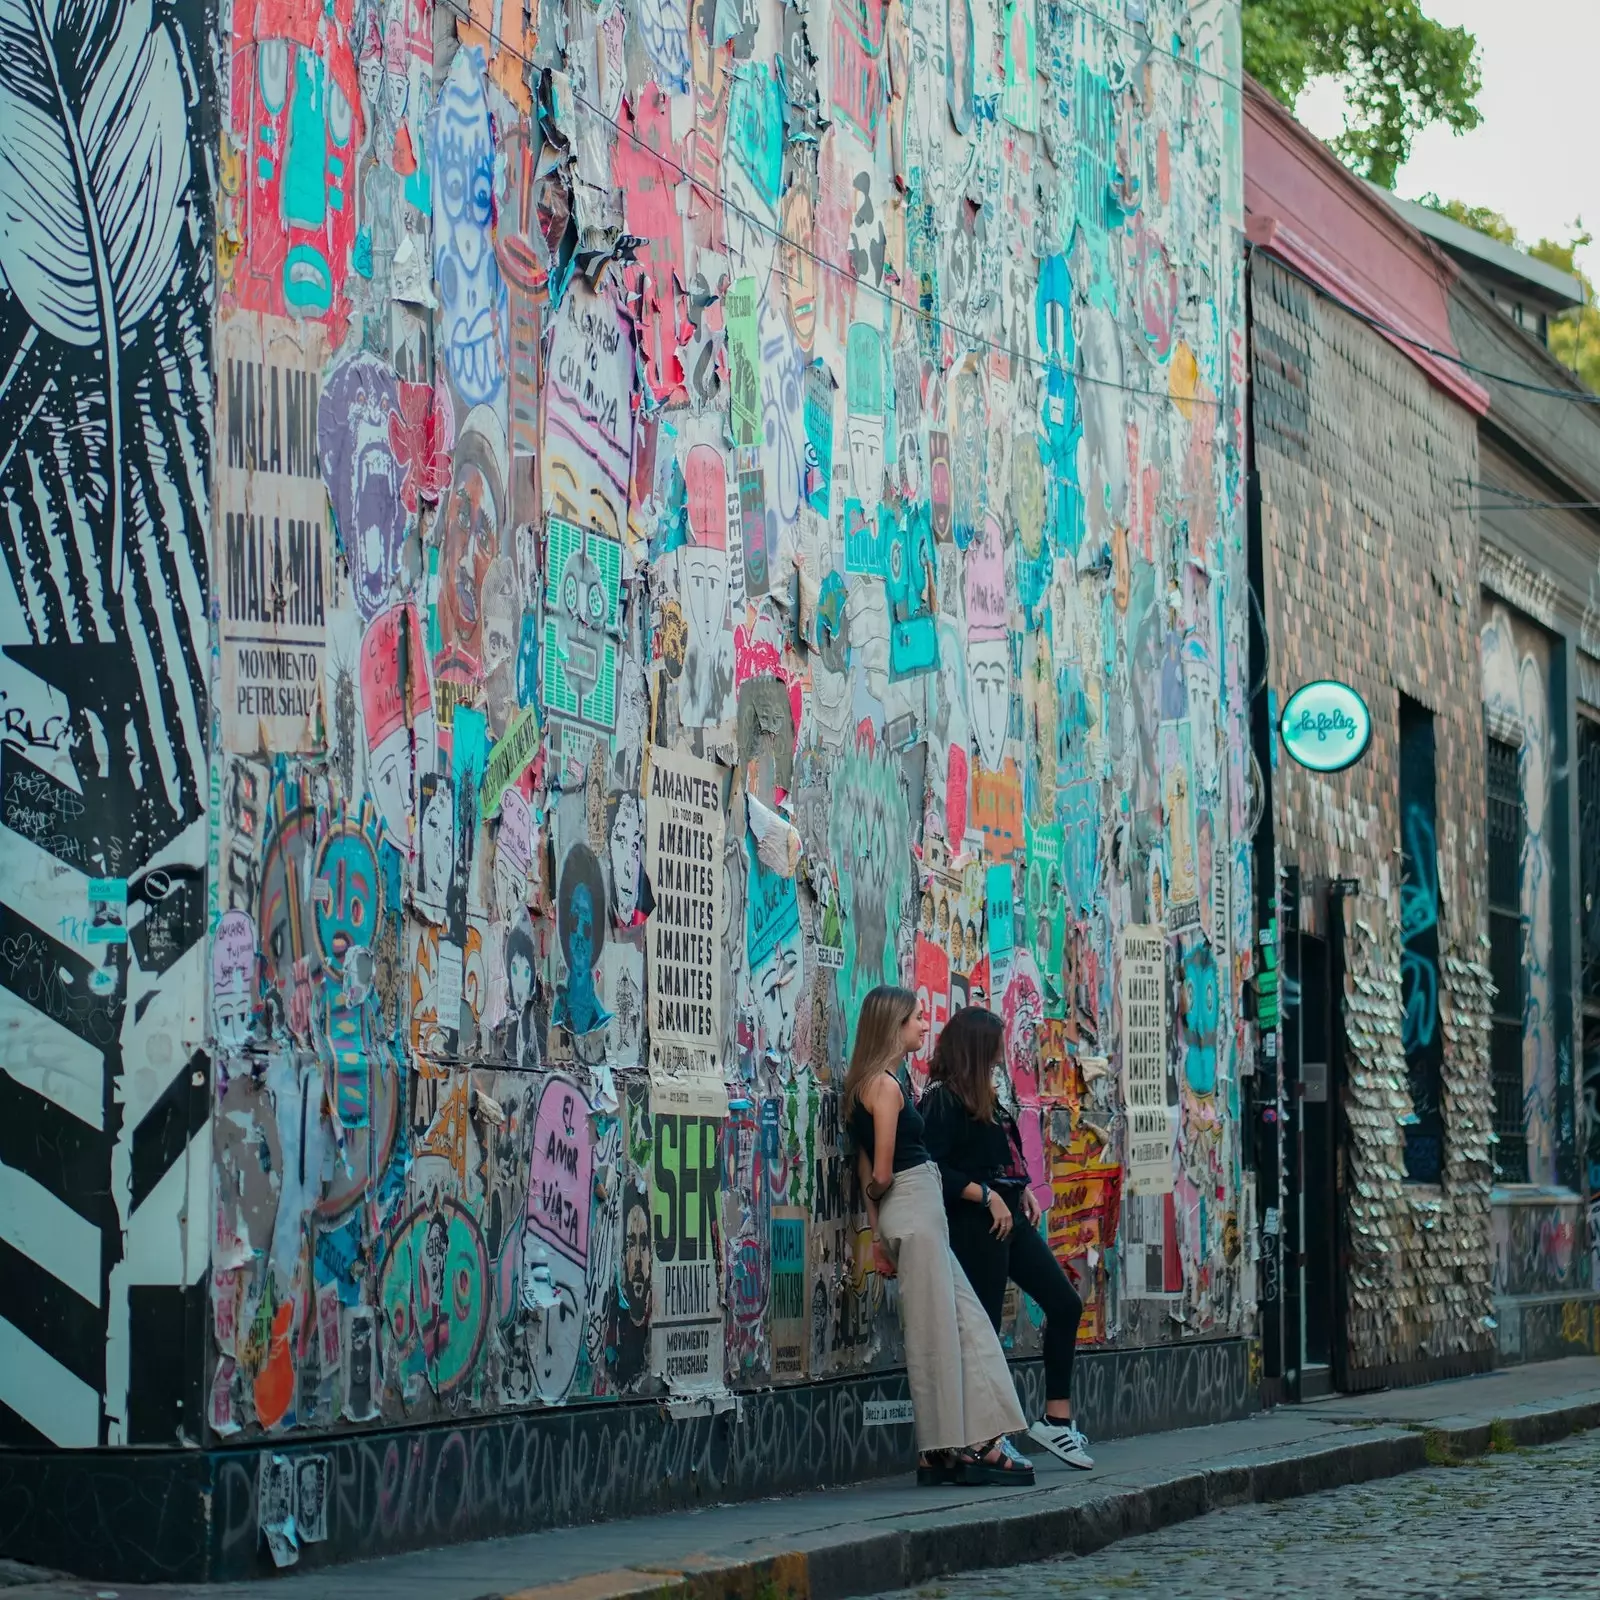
1512, 1525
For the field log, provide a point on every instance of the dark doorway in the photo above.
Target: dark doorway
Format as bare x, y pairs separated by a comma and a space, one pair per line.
1313, 1074
1318, 1201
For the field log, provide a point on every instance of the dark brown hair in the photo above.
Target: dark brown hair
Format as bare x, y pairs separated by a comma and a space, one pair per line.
964, 1058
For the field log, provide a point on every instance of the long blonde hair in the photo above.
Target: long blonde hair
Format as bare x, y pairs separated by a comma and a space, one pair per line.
884, 1014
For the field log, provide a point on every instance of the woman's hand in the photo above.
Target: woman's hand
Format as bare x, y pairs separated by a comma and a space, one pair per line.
1030, 1207
1001, 1212
882, 1261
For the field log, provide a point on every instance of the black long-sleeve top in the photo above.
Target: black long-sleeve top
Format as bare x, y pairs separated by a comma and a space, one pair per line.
969, 1150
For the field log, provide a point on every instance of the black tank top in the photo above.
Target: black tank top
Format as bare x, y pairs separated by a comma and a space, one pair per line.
909, 1149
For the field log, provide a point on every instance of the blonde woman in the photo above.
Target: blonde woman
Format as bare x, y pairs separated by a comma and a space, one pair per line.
961, 1388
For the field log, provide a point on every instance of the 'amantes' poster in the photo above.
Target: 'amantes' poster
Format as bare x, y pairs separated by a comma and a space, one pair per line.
683, 856
274, 535
1144, 1059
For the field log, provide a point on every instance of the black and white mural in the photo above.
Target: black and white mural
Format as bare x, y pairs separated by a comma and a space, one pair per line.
107, 124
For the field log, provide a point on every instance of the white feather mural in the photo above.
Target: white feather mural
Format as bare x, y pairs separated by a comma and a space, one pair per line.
106, 292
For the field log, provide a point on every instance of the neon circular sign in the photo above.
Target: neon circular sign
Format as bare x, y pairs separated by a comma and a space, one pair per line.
1326, 726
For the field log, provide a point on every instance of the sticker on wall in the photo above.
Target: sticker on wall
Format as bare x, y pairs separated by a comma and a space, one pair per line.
108, 911
1326, 726
583, 587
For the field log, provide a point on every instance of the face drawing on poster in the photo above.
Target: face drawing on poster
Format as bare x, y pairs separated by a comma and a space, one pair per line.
364, 481
626, 846
436, 845
363, 1384
633, 1320
706, 688
633, 711
580, 925
782, 369
864, 422
988, 647
521, 1046
472, 293
470, 529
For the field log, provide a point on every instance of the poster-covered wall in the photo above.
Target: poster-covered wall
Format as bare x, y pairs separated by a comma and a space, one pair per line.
693, 512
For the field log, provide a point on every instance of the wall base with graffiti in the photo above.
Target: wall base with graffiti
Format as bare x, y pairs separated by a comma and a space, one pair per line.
190, 1516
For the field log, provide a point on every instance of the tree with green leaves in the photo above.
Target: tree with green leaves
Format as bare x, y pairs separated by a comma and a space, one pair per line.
1401, 70
1575, 334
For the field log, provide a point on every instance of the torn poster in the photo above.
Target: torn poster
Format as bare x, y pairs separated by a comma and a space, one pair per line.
777, 839
683, 856
274, 540
275, 1509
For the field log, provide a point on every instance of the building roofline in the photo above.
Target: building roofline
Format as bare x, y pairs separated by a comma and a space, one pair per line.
1490, 256
1326, 258
1383, 216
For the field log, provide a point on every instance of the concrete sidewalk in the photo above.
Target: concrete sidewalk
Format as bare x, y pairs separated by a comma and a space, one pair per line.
888, 1534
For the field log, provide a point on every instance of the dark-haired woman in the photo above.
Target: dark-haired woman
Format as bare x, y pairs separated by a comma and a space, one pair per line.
962, 1396
993, 1214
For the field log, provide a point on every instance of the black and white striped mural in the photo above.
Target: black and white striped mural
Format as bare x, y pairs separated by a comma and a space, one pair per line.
107, 124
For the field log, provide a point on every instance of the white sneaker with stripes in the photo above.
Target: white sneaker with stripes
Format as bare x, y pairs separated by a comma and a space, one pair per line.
1064, 1441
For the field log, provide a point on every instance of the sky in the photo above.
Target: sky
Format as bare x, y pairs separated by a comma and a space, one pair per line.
1536, 155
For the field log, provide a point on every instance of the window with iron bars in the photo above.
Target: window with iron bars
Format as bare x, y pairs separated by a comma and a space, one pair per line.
1589, 856
1589, 913
1506, 827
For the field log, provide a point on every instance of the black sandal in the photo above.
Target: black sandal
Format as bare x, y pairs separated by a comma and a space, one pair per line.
936, 1467
991, 1463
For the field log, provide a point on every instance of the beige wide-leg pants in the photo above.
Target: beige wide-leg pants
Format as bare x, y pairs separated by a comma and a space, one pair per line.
961, 1387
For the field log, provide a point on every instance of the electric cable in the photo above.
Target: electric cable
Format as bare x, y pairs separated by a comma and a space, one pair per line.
1584, 398
972, 339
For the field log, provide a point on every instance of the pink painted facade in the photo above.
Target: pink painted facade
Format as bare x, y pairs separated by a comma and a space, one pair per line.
1305, 207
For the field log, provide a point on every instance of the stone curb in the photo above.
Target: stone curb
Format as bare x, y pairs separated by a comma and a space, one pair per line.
864, 1561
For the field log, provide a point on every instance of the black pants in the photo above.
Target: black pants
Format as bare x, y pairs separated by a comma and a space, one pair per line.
1025, 1259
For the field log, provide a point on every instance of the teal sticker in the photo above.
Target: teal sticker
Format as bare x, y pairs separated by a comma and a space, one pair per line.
1326, 726
108, 911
